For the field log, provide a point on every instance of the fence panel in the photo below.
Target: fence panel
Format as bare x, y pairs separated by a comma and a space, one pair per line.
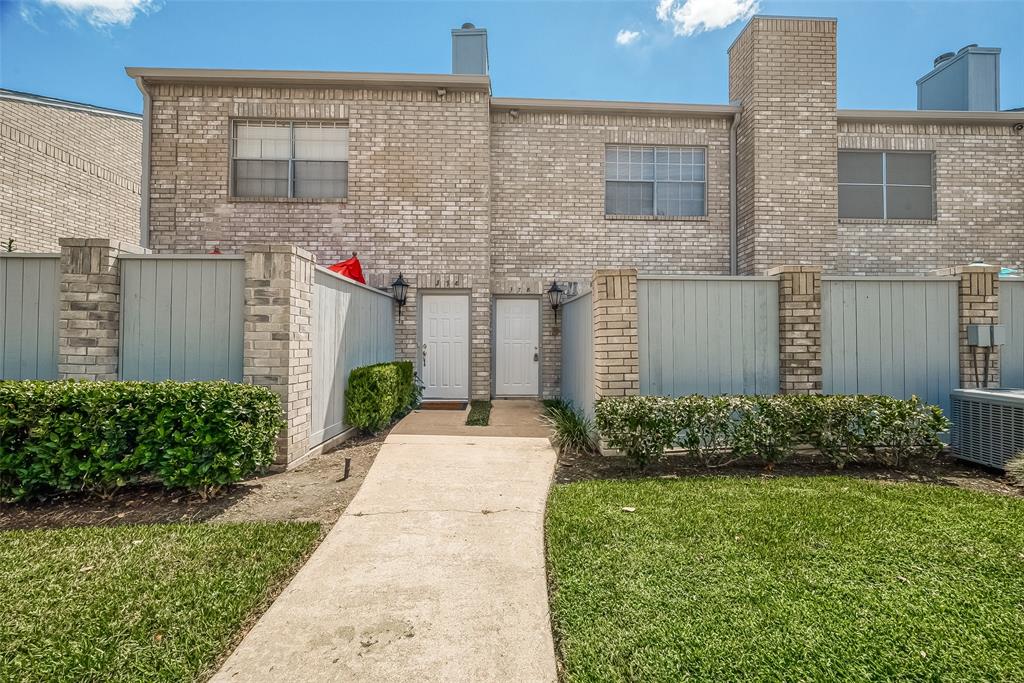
182, 317
352, 326
708, 335
892, 336
29, 291
1011, 314
578, 353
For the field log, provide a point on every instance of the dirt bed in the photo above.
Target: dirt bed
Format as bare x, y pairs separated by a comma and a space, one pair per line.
943, 470
315, 491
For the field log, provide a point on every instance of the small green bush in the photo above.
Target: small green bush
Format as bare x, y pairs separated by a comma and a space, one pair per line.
377, 394
98, 436
572, 432
720, 429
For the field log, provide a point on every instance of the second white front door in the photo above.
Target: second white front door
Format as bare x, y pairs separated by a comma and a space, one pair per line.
444, 347
517, 352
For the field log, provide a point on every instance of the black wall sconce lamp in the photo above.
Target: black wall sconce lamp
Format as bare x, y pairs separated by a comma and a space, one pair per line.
400, 290
556, 295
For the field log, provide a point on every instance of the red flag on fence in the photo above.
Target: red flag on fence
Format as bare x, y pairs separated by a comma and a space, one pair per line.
350, 268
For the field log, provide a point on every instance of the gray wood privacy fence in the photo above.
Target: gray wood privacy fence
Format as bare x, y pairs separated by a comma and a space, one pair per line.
1011, 314
182, 317
578, 353
29, 292
352, 326
708, 335
892, 336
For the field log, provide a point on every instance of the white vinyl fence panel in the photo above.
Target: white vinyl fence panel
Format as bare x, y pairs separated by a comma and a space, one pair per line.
29, 292
182, 317
352, 327
892, 336
578, 353
708, 336
1011, 314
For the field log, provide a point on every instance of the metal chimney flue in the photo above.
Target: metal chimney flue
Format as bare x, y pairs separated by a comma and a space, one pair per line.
469, 50
965, 80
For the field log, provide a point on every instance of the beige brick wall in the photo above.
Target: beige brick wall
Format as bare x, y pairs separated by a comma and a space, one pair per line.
979, 200
418, 199
67, 173
616, 333
977, 303
783, 72
800, 368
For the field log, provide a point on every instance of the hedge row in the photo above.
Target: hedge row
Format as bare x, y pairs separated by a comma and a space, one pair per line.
377, 394
98, 436
721, 429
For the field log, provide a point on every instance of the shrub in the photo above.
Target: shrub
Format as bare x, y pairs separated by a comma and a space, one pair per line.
479, 413
720, 429
377, 394
572, 432
98, 436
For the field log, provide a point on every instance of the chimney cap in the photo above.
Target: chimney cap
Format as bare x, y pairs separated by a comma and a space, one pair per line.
468, 25
943, 57
965, 48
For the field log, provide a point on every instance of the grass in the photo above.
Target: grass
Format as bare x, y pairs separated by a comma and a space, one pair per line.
794, 579
479, 413
129, 603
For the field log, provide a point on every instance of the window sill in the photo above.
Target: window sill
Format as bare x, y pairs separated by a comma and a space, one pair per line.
892, 221
288, 200
626, 217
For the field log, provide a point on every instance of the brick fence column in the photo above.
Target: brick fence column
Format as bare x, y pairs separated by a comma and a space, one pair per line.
977, 303
89, 328
799, 329
616, 336
277, 346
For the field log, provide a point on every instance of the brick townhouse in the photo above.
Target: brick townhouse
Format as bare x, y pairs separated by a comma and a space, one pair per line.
482, 202
67, 170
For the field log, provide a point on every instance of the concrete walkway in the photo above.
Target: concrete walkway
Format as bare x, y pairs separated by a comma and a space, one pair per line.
434, 573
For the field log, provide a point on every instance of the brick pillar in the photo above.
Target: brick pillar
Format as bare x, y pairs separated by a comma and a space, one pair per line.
277, 346
978, 303
799, 329
90, 307
616, 338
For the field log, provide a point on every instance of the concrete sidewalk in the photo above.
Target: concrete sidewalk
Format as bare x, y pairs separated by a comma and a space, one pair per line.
434, 573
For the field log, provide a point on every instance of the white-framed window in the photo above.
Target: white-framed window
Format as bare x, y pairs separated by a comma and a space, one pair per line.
654, 181
895, 185
305, 159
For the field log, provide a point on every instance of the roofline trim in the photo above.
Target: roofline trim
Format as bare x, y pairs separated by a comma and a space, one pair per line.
45, 101
931, 116
606, 106
265, 76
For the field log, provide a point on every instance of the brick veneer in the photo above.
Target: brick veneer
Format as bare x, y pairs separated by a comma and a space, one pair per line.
67, 173
977, 303
277, 349
616, 335
800, 370
89, 326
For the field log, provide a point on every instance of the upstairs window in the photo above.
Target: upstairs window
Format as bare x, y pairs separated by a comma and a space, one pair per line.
895, 185
303, 159
654, 181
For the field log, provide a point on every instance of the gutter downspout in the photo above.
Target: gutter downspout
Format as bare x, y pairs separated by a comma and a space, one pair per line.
733, 238
147, 112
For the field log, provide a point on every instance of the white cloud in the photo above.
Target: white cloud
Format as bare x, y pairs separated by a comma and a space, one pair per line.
103, 13
695, 16
626, 37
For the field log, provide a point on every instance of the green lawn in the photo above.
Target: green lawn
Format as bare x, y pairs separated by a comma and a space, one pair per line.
813, 579
134, 603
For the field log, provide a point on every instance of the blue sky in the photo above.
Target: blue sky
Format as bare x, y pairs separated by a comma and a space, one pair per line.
77, 49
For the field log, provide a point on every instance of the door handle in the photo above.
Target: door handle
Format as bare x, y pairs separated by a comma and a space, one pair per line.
536, 356
424, 355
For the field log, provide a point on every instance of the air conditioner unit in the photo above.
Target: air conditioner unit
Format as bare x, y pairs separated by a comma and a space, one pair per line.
988, 425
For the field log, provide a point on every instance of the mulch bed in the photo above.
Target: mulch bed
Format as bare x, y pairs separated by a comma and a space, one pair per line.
943, 470
315, 491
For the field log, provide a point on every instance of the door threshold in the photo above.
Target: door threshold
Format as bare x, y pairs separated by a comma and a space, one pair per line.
443, 404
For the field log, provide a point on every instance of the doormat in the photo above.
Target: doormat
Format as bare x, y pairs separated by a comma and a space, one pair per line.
443, 405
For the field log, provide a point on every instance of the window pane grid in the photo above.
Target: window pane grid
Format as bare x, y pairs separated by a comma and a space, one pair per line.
654, 181
903, 189
301, 159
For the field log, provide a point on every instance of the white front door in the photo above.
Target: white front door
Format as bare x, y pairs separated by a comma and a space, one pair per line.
444, 351
517, 356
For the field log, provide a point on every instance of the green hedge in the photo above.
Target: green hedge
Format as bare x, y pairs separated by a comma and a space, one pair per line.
718, 430
377, 394
98, 436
